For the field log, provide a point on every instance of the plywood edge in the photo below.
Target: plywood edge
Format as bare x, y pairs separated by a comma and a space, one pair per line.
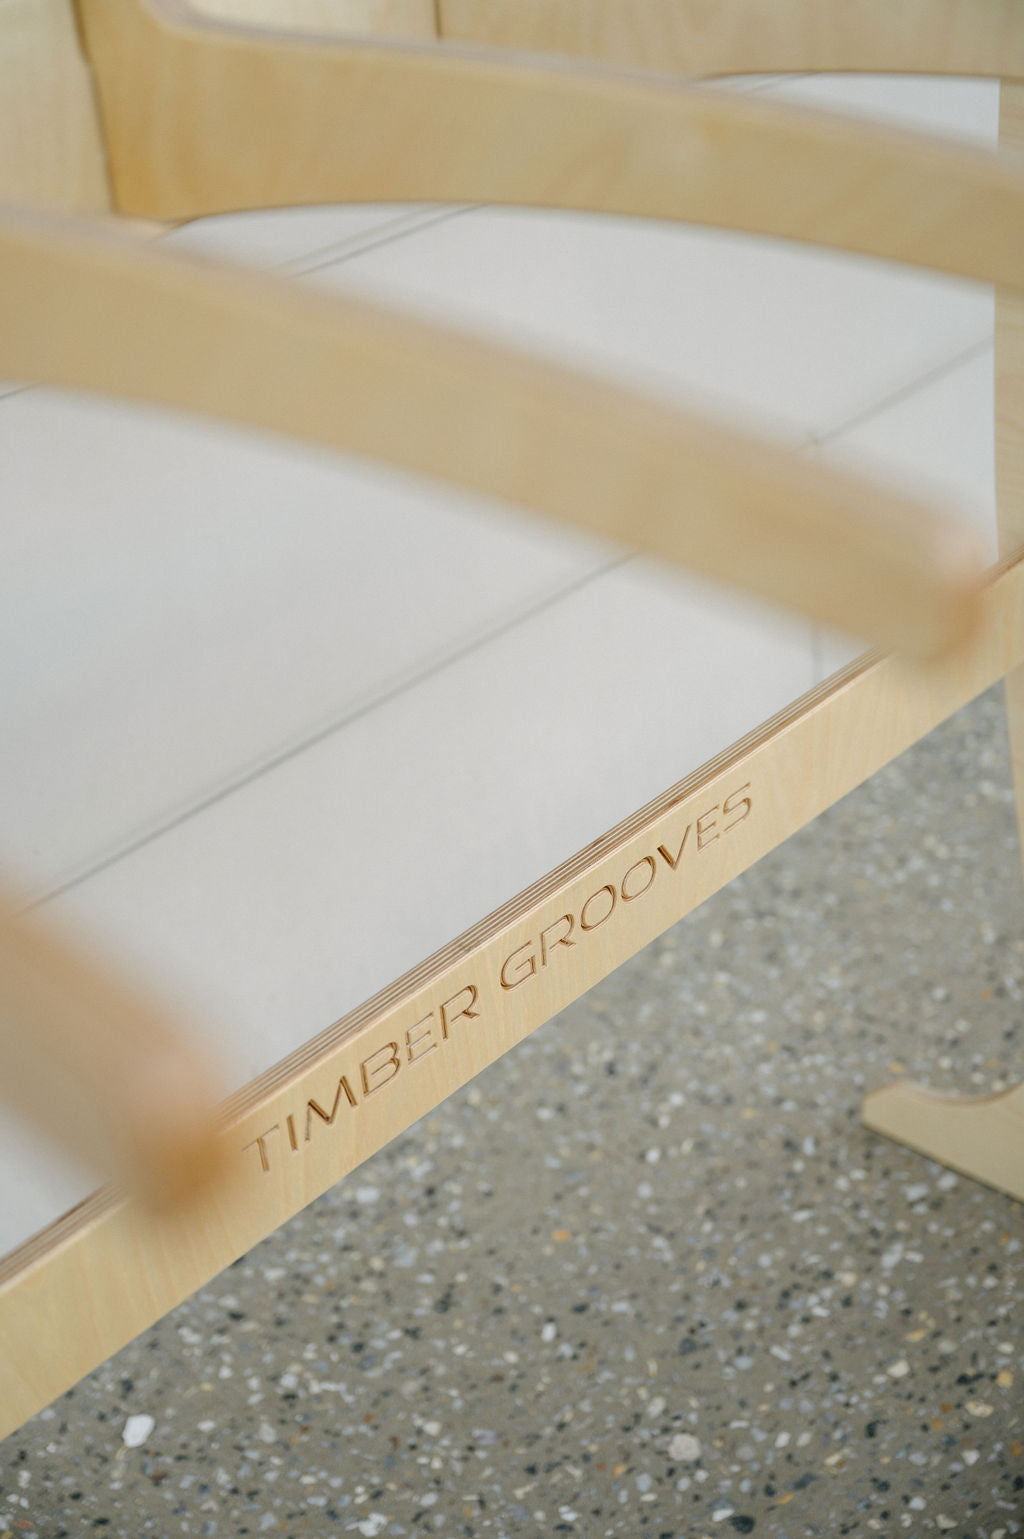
185, 107
76, 1293
83, 310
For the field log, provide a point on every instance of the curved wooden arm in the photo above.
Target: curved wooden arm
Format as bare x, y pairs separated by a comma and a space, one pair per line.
100, 1069
95, 310
687, 37
733, 37
202, 118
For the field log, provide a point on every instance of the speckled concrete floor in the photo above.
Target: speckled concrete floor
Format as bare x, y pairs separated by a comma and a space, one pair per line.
648, 1276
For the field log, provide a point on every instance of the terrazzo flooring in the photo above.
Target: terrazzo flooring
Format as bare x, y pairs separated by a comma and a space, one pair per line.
648, 1275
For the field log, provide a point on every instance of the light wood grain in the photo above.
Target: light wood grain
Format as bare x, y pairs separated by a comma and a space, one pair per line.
51, 149
96, 1066
376, 18
200, 119
80, 1290
691, 37
712, 37
97, 313
981, 1136
1010, 432
186, 106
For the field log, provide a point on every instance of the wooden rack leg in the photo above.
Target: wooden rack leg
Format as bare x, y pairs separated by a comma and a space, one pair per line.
1010, 438
982, 1136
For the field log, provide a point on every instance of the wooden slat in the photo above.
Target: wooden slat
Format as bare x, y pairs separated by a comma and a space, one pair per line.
369, 18
97, 1066
732, 37
186, 108
51, 149
80, 1290
1010, 432
982, 1136
95, 312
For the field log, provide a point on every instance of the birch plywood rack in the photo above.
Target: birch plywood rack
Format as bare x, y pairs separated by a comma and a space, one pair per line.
120, 118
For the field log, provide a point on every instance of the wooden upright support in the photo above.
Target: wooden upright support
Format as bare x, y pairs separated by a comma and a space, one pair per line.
983, 1136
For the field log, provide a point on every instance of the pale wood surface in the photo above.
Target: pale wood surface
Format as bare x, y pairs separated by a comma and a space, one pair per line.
960, 37
103, 1273
377, 18
186, 107
94, 312
1010, 432
51, 149
982, 1136
311, 15
96, 1066
123, 474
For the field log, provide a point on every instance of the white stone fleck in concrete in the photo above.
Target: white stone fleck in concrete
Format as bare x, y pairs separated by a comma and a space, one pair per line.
137, 1430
